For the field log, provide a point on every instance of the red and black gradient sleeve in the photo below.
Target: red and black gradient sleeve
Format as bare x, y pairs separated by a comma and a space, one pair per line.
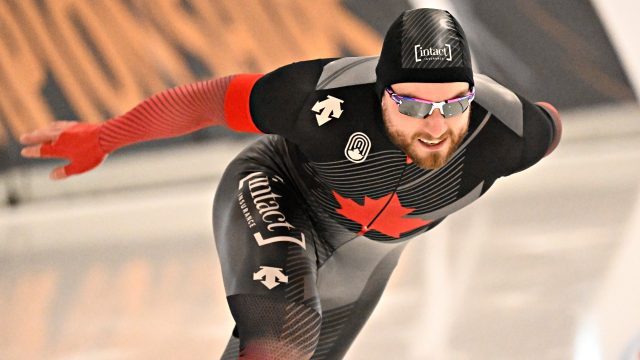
237, 109
183, 109
245, 102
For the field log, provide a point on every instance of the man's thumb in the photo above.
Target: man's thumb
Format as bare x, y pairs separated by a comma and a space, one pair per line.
58, 173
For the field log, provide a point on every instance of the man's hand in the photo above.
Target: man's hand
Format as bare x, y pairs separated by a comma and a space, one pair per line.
76, 142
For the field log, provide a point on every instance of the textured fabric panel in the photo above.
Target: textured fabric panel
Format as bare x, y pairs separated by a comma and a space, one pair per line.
332, 324
272, 329
232, 351
170, 113
342, 320
302, 273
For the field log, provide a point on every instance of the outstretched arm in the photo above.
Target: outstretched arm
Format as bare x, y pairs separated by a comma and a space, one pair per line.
170, 113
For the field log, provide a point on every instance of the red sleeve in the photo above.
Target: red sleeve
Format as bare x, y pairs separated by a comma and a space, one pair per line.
170, 113
237, 113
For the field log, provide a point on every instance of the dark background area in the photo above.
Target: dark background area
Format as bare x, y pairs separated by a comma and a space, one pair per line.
545, 50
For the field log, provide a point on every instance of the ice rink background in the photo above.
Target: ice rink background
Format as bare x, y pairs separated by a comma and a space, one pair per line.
544, 266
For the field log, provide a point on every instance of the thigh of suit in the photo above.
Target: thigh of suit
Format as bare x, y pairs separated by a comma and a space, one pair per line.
266, 247
290, 297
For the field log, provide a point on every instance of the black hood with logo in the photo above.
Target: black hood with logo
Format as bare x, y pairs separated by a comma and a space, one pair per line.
424, 45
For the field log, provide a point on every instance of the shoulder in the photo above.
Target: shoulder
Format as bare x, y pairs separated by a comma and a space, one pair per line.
524, 130
324, 74
348, 71
280, 99
501, 102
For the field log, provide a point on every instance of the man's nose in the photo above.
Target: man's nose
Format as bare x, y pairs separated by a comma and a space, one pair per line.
435, 124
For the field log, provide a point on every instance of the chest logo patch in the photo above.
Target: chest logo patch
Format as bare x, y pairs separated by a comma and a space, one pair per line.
357, 147
327, 109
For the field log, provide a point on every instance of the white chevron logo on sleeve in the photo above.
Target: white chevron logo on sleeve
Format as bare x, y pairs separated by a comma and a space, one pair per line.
327, 109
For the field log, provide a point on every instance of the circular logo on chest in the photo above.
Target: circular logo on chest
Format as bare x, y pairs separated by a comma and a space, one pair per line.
357, 147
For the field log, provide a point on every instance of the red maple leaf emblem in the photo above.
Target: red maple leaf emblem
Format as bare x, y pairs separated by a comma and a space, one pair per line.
390, 222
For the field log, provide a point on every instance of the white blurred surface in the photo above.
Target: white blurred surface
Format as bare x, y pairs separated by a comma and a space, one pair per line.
619, 18
544, 266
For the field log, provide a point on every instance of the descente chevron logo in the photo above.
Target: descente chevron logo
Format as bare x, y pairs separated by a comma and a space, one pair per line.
432, 53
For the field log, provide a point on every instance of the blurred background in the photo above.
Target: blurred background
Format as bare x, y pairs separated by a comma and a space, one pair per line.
119, 263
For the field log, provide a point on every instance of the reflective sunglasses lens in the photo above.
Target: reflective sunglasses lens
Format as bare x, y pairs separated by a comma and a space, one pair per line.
455, 108
414, 109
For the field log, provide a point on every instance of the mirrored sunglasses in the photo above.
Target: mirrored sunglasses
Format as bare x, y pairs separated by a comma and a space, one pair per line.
420, 108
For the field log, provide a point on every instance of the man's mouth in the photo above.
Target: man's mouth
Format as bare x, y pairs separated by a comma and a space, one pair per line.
432, 144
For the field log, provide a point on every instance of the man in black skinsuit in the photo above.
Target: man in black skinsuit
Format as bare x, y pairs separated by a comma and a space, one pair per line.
366, 153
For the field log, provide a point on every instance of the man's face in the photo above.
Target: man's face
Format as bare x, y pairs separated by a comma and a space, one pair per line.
429, 142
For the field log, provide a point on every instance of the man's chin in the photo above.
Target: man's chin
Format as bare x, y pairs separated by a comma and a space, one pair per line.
430, 162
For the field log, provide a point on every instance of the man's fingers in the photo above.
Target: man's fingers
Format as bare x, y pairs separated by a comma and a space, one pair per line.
31, 152
63, 124
49, 133
40, 136
69, 140
44, 151
58, 174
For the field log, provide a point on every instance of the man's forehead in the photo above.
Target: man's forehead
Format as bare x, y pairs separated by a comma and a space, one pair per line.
432, 91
